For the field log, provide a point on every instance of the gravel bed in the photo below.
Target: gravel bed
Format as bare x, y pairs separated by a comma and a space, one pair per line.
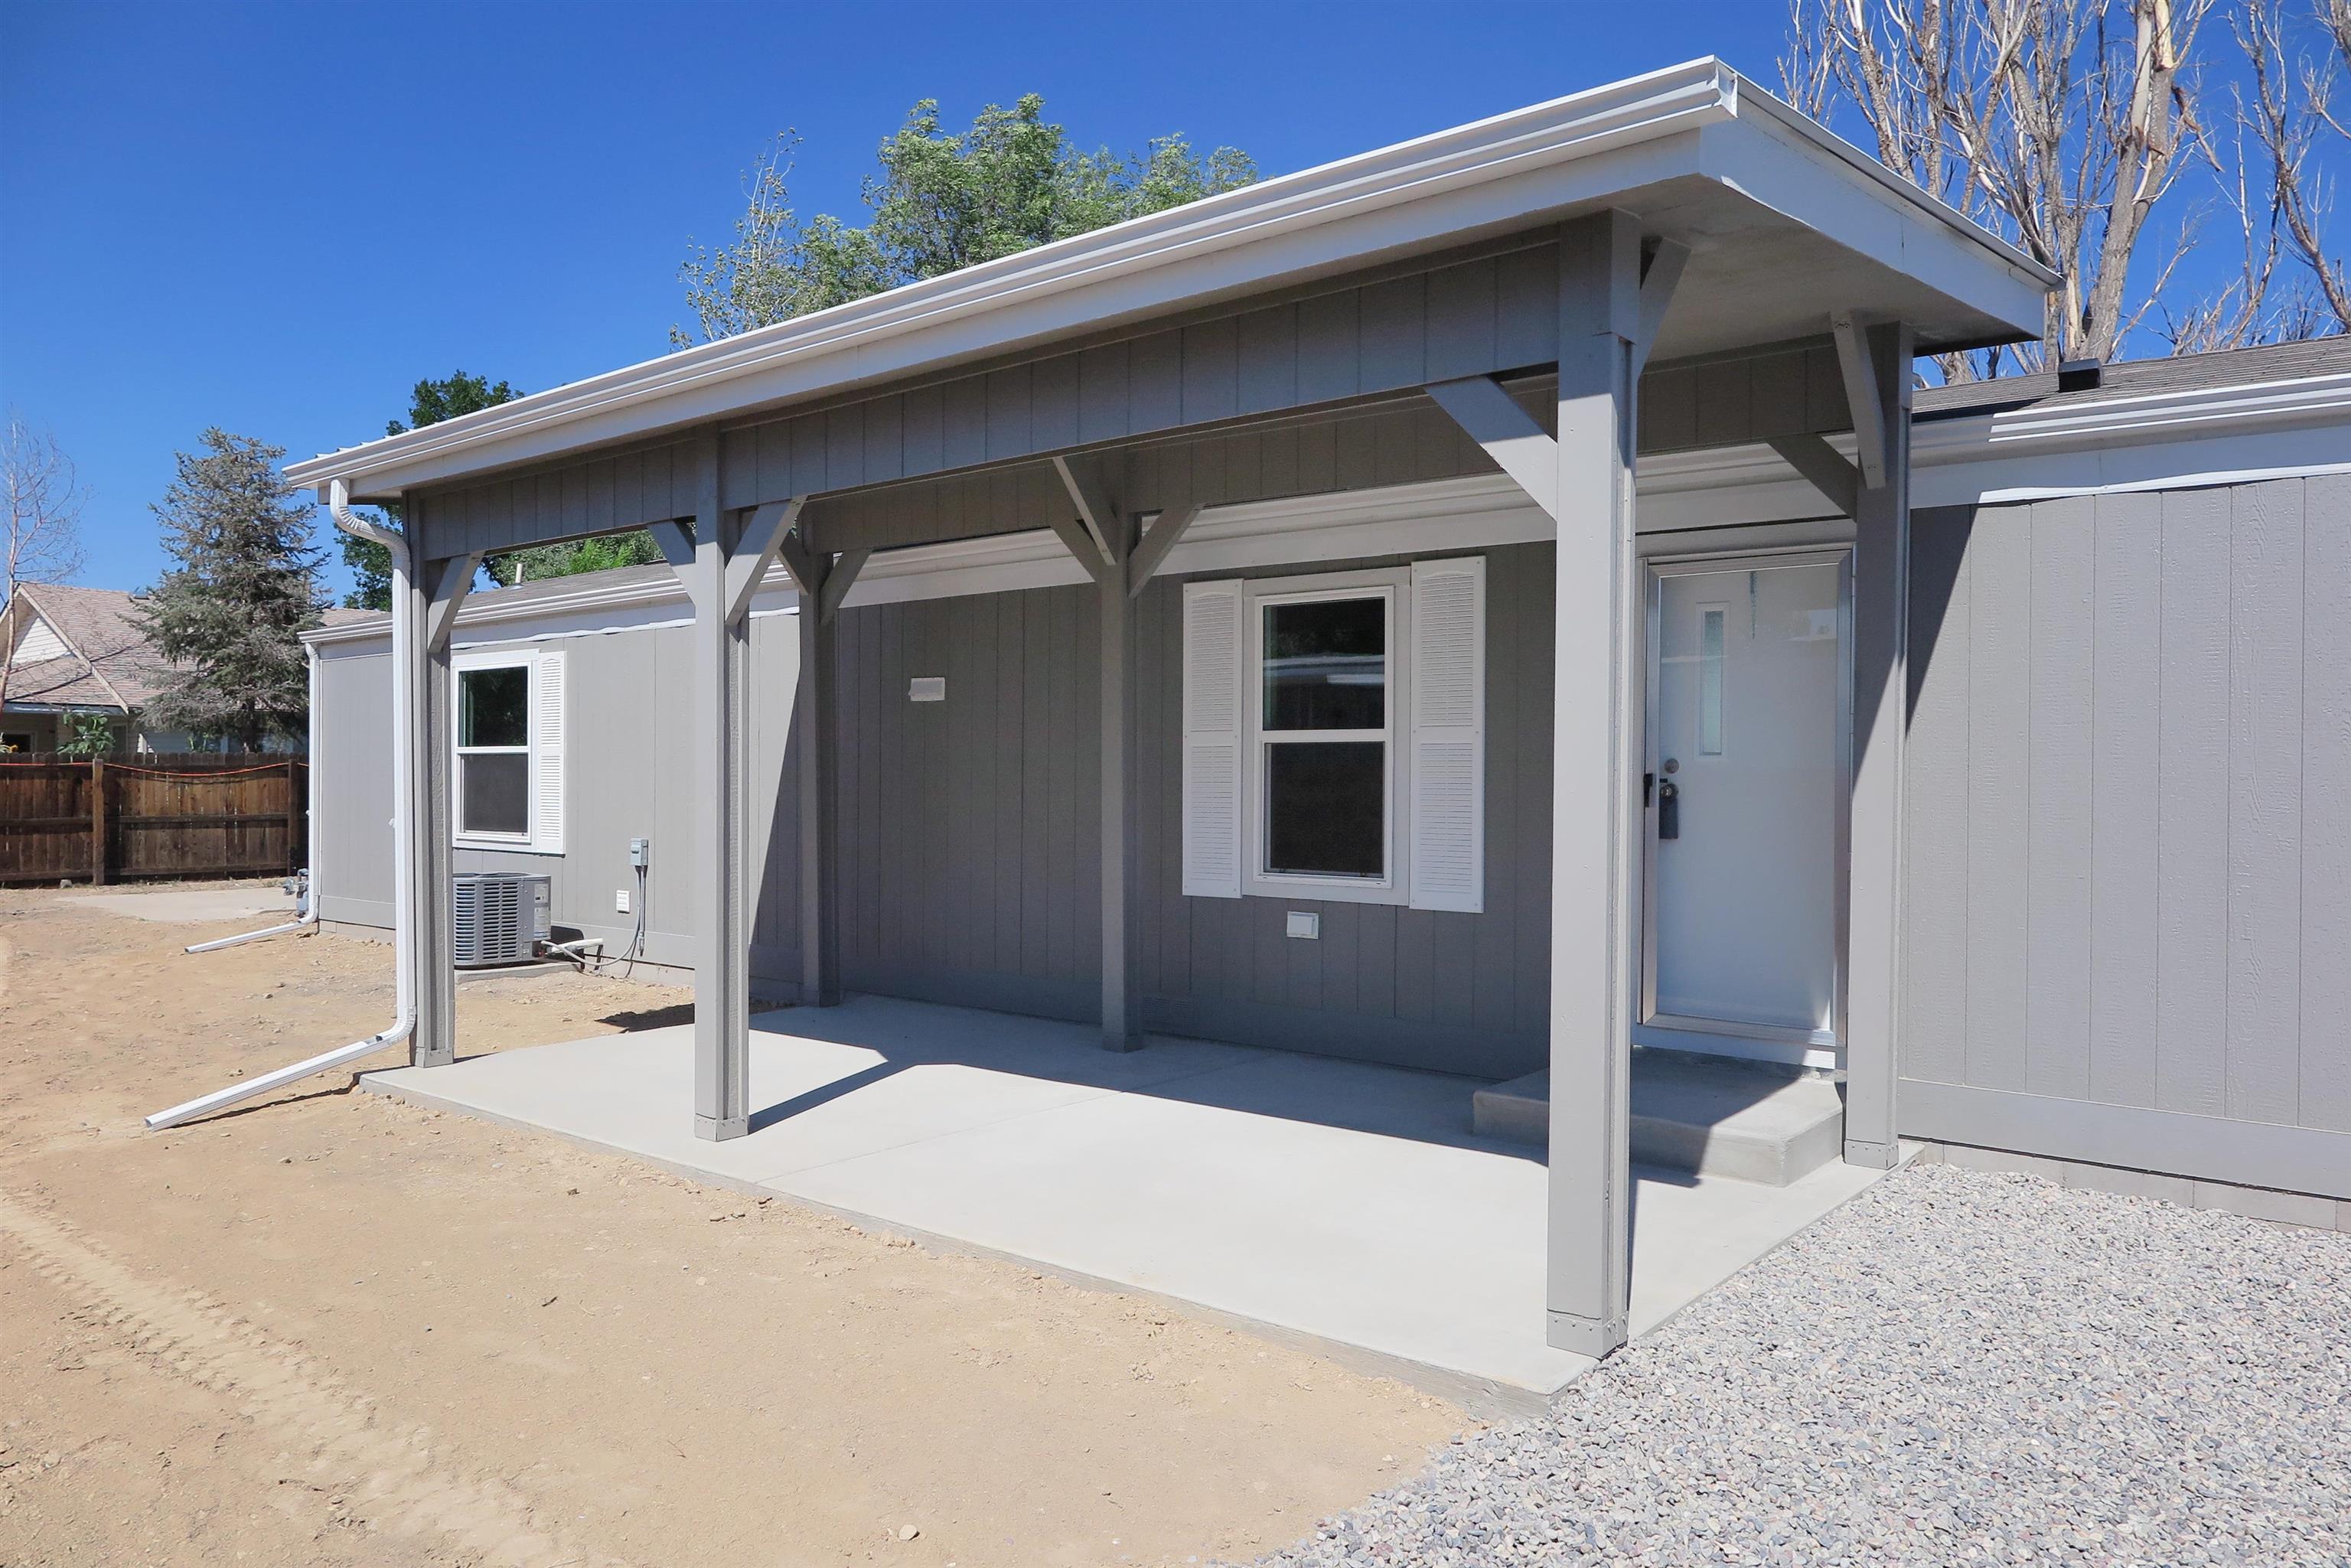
1955, 1368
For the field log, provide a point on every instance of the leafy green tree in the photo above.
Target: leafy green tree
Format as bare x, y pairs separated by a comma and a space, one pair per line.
941, 200
86, 735
429, 402
228, 615
600, 553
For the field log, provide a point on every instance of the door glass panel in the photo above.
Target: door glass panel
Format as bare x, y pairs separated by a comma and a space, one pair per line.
1326, 808
1710, 620
1326, 664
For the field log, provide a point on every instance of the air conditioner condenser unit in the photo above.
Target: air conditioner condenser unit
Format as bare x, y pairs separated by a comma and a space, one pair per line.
498, 918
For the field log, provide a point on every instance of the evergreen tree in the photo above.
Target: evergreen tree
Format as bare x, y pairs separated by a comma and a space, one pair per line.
228, 615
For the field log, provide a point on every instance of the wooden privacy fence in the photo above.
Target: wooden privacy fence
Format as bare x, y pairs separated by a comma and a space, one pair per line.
64, 818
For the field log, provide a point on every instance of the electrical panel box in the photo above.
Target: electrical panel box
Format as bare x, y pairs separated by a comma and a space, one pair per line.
639, 852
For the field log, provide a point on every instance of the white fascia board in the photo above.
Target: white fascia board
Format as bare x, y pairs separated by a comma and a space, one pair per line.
1764, 158
1482, 177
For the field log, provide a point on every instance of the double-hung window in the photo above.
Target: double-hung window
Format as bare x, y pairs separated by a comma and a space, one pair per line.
1333, 737
508, 783
1322, 791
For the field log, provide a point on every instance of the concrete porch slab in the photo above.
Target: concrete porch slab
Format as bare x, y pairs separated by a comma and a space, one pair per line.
1343, 1204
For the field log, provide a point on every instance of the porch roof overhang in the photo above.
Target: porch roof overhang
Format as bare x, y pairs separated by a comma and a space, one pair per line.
1785, 224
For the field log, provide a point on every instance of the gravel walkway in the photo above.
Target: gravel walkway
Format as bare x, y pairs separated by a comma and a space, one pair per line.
1955, 1368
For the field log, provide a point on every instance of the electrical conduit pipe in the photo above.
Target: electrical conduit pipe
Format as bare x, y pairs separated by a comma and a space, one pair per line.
403, 870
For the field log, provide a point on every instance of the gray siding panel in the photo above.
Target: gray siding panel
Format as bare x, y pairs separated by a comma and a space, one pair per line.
1937, 825
2265, 802
2127, 657
352, 752
2058, 837
2191, 806
2000, 786
2126, 931
2326, 1025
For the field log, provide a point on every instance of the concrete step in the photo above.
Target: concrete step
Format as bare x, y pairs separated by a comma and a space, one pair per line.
1702, 1114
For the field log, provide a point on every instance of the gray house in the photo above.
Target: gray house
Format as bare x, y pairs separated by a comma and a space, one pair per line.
1491, 605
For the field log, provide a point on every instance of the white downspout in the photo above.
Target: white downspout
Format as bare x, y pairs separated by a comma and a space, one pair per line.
403, 872
306, 906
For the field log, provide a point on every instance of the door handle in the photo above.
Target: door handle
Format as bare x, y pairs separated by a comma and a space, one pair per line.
1669, 810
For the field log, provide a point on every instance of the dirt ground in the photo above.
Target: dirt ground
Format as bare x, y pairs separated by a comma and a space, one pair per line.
330, 1328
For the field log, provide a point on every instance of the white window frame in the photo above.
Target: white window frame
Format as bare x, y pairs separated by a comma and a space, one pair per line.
460, 665
1392, 585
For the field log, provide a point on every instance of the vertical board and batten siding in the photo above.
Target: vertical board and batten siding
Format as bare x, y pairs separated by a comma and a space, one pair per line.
1452, 991
968, 827
2128, 927
626, 776
954, 456
968, 830
1725, 402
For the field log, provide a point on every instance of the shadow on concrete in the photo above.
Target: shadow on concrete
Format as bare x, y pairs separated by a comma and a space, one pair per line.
1361, 1097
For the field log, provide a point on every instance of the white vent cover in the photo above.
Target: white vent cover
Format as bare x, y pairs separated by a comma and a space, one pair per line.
497, 918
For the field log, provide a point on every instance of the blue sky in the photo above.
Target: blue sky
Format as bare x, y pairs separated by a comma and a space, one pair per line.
277, 218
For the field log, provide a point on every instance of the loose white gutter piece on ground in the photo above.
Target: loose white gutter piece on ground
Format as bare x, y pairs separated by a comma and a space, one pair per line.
404, 769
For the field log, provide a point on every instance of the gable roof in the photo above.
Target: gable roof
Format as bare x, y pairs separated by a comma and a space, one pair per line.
107, 663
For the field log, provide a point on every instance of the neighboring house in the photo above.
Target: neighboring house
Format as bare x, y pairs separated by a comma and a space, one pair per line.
79, 650
1378, 612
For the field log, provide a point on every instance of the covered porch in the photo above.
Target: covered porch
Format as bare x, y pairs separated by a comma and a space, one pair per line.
1346, 1205
1670, 263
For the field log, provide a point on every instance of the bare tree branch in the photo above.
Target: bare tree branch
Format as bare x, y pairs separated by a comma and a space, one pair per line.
2048, 122
43, 498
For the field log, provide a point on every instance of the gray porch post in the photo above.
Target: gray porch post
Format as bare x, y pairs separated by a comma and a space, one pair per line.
1877, 370
433, 592
1594, 838
721, 993
1122, 948
820, 787
1102, 540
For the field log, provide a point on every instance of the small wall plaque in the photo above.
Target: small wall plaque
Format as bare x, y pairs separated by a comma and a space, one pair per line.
927, 689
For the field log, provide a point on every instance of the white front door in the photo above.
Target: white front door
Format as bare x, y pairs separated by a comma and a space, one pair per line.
1747, 757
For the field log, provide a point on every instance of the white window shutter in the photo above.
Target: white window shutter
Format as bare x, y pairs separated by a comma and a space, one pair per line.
1212, 739
1448, 735
547, 755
